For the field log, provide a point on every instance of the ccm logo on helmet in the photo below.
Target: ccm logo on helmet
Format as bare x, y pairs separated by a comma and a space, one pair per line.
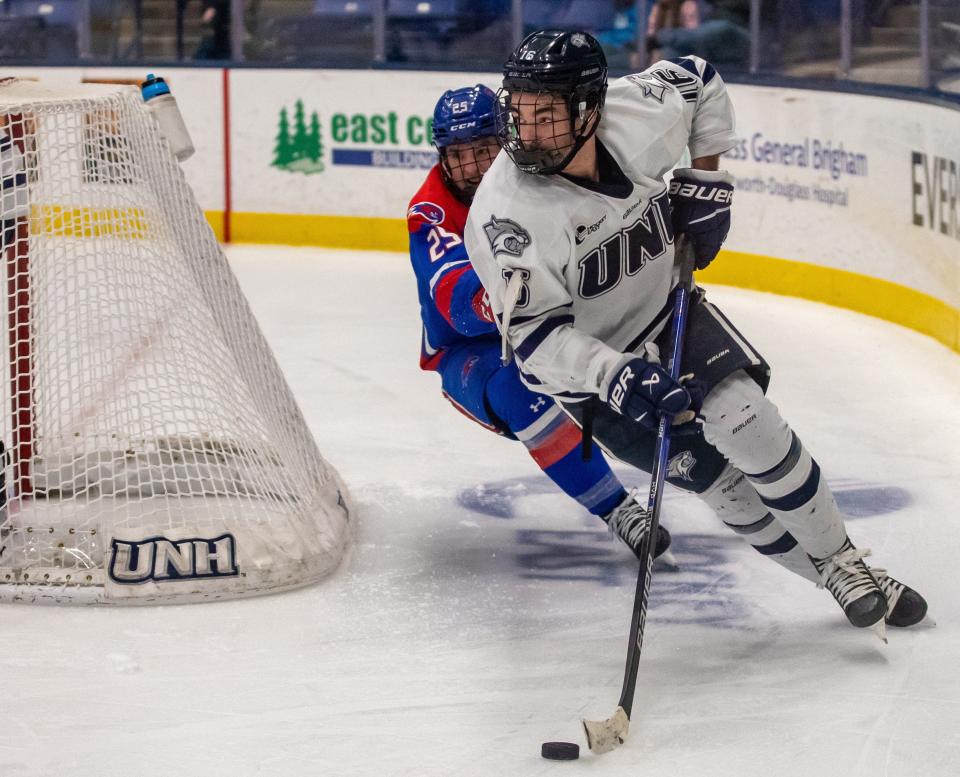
722, 196
465, 125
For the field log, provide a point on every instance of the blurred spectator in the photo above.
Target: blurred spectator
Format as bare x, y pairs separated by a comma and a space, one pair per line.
719, 41
624, 32
716, 31
620, 42
867, 15
733, 11
881, 8
667, 16
480, 33
215, 43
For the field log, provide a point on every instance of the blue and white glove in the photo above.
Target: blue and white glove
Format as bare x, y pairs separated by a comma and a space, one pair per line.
701, 200
641, 389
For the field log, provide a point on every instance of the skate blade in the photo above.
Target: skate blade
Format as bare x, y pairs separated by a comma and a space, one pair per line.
926, 622
667, 562
880, 629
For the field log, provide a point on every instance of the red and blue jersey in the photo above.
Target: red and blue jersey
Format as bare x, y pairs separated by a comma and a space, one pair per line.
460, 342
453, 304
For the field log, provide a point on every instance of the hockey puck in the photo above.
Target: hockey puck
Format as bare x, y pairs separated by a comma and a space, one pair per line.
560, 751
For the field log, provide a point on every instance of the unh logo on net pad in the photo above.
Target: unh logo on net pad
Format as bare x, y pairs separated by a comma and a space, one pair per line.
159, 559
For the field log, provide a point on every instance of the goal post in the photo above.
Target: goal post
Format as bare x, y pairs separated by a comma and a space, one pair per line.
151, 448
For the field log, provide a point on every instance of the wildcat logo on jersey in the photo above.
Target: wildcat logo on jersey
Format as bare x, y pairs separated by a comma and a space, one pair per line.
161, 559
681, 466
428, 211
506, 236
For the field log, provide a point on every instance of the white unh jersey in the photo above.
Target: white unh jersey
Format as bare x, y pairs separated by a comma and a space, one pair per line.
596, 263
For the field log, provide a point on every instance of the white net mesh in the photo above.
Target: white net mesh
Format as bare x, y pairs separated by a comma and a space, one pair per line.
152, 450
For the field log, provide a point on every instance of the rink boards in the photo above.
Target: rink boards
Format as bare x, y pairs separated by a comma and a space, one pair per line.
848, 199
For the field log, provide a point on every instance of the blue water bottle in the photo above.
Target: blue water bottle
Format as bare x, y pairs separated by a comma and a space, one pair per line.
163, 105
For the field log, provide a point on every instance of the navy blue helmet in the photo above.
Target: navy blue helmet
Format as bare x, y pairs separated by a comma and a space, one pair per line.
465, 133
464, 115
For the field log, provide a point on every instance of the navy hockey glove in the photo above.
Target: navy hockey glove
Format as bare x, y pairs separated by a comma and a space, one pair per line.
641, 390
701, 200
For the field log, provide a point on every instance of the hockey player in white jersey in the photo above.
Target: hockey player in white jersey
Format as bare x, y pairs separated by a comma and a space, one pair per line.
572, 234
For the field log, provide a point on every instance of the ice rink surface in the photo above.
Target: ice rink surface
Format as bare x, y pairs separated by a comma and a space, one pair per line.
480, 613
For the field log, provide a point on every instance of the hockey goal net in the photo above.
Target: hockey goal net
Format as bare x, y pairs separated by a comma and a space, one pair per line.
151, 448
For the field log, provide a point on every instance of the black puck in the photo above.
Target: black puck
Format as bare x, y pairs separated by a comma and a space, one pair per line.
560, 751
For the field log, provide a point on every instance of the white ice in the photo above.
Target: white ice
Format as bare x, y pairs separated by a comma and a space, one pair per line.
481, 613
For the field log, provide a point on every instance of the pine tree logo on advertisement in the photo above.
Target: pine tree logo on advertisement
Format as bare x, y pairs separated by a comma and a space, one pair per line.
389, 139
298, 149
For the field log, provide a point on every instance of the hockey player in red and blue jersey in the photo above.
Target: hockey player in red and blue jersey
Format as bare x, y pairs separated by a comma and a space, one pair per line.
460, 339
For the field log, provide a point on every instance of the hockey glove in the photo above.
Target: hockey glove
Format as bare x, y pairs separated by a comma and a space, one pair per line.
640, 390
701, 200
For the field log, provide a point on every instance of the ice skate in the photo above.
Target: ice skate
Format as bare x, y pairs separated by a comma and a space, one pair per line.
905, 607
847, 577
629, 522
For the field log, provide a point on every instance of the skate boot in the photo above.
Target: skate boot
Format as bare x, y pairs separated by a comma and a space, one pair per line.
847, 577
905, 607
629, 522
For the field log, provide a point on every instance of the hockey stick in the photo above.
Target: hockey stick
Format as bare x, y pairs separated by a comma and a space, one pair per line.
605, 735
